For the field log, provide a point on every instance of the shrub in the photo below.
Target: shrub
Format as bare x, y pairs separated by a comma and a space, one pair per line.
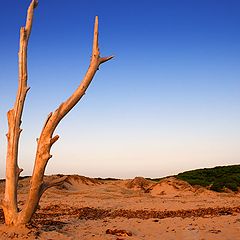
216, 178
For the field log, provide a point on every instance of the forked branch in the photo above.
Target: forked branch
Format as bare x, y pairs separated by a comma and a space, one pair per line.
46, 139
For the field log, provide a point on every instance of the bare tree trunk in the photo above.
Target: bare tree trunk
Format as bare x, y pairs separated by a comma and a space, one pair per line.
9, 204
46, 139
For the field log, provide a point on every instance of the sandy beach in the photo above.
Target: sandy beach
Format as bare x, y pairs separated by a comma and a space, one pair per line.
85, 208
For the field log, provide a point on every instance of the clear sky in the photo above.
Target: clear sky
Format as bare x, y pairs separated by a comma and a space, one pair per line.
168, 102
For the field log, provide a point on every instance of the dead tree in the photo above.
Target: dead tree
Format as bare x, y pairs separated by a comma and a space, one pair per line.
14, 216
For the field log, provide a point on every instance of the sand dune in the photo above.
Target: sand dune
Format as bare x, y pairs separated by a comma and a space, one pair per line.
86, 208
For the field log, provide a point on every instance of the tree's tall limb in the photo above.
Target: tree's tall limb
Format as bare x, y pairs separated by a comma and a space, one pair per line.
9, 204
46, 139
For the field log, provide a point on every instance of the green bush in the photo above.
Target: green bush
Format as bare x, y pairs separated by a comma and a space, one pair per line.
216, 178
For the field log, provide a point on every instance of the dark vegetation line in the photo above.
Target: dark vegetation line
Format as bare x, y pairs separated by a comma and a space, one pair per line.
94, 213
89, 213
49, 218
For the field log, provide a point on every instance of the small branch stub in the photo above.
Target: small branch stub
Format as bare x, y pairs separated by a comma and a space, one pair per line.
54, 139
105, 59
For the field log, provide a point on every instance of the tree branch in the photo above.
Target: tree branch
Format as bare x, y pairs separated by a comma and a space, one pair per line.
14, 121
105, 59
52, 183
29, 20
46, 140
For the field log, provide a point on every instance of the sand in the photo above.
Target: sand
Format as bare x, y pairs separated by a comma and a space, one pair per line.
85, 208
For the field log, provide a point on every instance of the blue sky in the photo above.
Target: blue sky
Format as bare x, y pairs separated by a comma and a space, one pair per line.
168, 102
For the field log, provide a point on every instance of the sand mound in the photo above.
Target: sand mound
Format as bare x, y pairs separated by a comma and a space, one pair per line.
171, 186
76, 179
139, 183
71, 183
76, 182
208, 193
